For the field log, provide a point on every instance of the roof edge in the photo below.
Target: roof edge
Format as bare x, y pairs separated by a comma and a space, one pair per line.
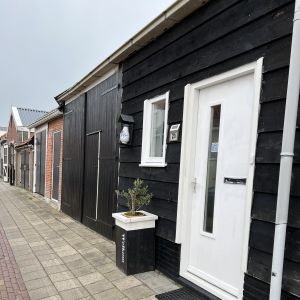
165, 20
51, 115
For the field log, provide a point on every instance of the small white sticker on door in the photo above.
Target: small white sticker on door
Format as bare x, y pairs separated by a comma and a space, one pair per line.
214, 147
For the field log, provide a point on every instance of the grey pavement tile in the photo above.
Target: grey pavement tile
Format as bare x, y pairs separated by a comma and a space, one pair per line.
38, 283
51, 262
90, 278
83, 271
138, 292
56, 269
126, 283
55, 297
33, 275
67, 284
111, 294
114, 275
78, 263
74, 294
61, 276
106, 268
71, 257
42, 293
99, 286
31, 268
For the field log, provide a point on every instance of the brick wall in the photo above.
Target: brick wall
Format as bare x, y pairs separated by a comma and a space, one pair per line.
53, 126
12, 134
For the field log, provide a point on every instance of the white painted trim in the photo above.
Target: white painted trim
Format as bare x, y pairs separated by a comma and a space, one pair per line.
146, 160
101, 79
135, 223
16, 116
191, 96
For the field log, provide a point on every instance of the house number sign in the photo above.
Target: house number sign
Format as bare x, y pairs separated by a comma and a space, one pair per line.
123, 249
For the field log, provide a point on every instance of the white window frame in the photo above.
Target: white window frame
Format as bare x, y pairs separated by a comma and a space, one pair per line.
146, 160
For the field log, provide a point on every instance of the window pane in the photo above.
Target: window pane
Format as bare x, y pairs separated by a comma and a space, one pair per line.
157, 129
212, 168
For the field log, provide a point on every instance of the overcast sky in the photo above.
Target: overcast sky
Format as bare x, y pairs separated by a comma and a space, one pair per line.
48, 45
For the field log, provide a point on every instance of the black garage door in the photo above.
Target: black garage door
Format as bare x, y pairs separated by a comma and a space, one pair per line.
90, 156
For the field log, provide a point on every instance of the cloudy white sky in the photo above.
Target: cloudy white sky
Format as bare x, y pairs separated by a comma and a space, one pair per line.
48, 45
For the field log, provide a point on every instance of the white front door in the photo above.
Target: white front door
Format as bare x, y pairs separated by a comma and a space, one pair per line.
214, 246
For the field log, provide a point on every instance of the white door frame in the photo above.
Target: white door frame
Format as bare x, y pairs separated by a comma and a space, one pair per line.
190, 113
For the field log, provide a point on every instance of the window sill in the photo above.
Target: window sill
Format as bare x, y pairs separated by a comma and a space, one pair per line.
153, 165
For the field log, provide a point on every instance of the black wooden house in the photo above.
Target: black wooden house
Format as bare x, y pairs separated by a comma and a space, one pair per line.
206, 85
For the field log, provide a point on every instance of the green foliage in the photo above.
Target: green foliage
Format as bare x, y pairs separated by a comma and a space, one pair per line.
138, 196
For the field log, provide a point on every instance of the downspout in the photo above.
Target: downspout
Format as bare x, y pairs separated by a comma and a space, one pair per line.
286, 160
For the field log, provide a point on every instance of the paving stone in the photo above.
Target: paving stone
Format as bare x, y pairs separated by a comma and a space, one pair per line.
56, 269
72, 257
51, 262
138, 292
126, 283
56, 297
78, 263
62, 259
67, 284
106, 268
99, 286
114, 275
111, 294
31, 268
83, 271
42, 293
38, 283
61, 276
74, 294
34, 275
90, 278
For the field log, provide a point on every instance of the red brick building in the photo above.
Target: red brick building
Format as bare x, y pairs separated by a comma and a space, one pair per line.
48, 156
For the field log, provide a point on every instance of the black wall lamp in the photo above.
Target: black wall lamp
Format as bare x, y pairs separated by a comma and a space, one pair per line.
126, 133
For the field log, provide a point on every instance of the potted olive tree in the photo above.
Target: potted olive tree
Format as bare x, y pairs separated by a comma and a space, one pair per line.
135, 231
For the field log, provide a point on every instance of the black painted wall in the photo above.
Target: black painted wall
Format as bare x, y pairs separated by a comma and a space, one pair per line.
222, 35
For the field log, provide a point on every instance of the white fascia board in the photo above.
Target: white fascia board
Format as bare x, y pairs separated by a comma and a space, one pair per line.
16, 116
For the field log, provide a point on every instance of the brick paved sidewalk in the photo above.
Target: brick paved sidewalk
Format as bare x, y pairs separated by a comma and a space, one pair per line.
11, 283
60, 258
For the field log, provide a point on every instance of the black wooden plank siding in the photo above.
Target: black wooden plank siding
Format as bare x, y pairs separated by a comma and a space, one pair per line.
218, 37
90, 141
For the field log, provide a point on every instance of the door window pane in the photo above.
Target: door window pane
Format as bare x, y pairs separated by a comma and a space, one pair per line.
157, 129
212, 168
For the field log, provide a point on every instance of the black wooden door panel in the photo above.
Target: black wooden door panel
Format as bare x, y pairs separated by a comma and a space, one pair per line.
73, 158
99, 177
91, 176
56, 164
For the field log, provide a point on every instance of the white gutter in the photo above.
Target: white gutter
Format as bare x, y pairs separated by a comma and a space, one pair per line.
286, 161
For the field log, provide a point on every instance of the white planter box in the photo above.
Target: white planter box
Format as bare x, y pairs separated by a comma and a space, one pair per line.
135, 223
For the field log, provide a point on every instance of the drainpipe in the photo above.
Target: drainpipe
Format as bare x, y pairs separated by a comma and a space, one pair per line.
286, 160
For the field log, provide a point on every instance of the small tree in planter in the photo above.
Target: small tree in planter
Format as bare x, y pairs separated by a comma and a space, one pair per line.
137, 197
135, 232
